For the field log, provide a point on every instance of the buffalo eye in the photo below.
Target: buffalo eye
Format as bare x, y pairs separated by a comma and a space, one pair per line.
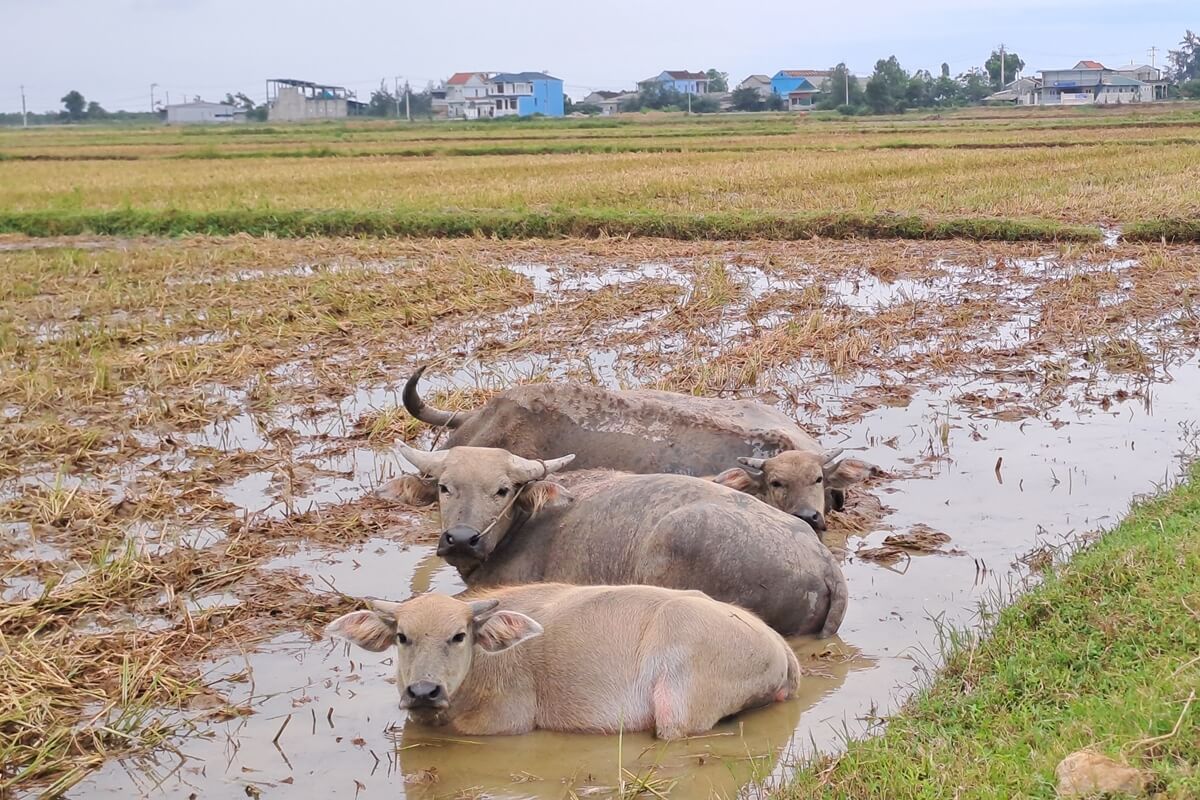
443, 488
459, 637
819, 479
777, 484
502, 491
401, 638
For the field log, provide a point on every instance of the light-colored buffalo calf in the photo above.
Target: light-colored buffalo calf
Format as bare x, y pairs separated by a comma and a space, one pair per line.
588, 659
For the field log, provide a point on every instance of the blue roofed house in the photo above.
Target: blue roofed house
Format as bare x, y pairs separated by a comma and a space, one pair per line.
523, 94
678, 80
798, 87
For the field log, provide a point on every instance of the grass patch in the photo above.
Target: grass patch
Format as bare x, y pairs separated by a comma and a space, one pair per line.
1166, 230
535, 224
1101, 656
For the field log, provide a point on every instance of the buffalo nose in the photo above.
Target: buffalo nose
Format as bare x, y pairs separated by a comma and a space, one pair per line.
459, 539
423, 693
813, 518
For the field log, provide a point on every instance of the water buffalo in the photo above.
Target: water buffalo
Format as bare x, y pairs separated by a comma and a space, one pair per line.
646, 431
504, 523
589, 659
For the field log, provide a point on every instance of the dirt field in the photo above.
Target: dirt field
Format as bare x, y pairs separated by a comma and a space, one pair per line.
190, 430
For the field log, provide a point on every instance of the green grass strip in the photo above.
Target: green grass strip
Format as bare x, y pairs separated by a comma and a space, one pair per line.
583, 223
1102, 656
1168, 230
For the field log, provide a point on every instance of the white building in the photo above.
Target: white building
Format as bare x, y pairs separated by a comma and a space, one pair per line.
201, 113
759, 83
1092, 83
466, 95
609, 102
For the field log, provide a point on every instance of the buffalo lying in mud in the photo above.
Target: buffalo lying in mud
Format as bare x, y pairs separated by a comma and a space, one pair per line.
594, 659
647, 431
504, 523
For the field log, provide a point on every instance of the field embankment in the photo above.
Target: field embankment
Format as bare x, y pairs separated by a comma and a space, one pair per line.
1102, 656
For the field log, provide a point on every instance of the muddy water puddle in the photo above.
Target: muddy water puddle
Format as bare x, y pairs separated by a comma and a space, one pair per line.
1061, 475
979, 455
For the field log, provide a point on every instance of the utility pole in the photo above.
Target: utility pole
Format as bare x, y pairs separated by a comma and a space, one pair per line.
689, 104
24, 114
846, 81
396, 80
407, 107
1002, 65
1153, 52
152, 97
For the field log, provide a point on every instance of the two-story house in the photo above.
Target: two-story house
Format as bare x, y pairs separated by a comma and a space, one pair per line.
523, 94
678, 80
481, 95
798, 87
1090, 82
466, 93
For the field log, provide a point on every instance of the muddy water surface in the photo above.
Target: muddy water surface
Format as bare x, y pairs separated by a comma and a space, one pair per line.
325, 721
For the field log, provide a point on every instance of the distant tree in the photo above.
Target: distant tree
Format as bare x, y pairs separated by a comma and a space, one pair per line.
75, 105
974, 85
591, 109
382, 102
1012, 65
747, 98
568, 104
1190, 89
1185, 62
835, 91
776, 102
920, 90
95, 111
718, 81
946, 91
703, 104
887, 87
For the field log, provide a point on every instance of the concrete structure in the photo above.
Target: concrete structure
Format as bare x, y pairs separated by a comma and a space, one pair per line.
609, 102
678, 80
1152, 76
480, 95
1021, 92
1091, 83
201, 113
524, 94
290, 100
759, 83
796, 87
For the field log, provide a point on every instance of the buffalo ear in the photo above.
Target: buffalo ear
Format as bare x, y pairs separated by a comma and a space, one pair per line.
369, 630
410, 490
743, 480
505, 629
544, 494
847, 472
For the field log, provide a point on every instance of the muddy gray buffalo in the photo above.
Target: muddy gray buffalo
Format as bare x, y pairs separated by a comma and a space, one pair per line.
588, 659
504, 523
646, 431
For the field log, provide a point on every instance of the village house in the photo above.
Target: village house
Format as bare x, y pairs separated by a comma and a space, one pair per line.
759, 83
480, 95
798, 87
291, 100
1092, 83
1021, 92
678, 80
609, 102
202, 113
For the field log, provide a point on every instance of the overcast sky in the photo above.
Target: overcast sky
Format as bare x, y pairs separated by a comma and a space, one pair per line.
112, 50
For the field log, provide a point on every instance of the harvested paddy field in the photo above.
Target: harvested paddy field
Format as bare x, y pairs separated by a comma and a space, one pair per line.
190, 431
1006, 176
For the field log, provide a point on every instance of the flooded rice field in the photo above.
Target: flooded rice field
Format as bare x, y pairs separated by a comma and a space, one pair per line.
1016, 398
